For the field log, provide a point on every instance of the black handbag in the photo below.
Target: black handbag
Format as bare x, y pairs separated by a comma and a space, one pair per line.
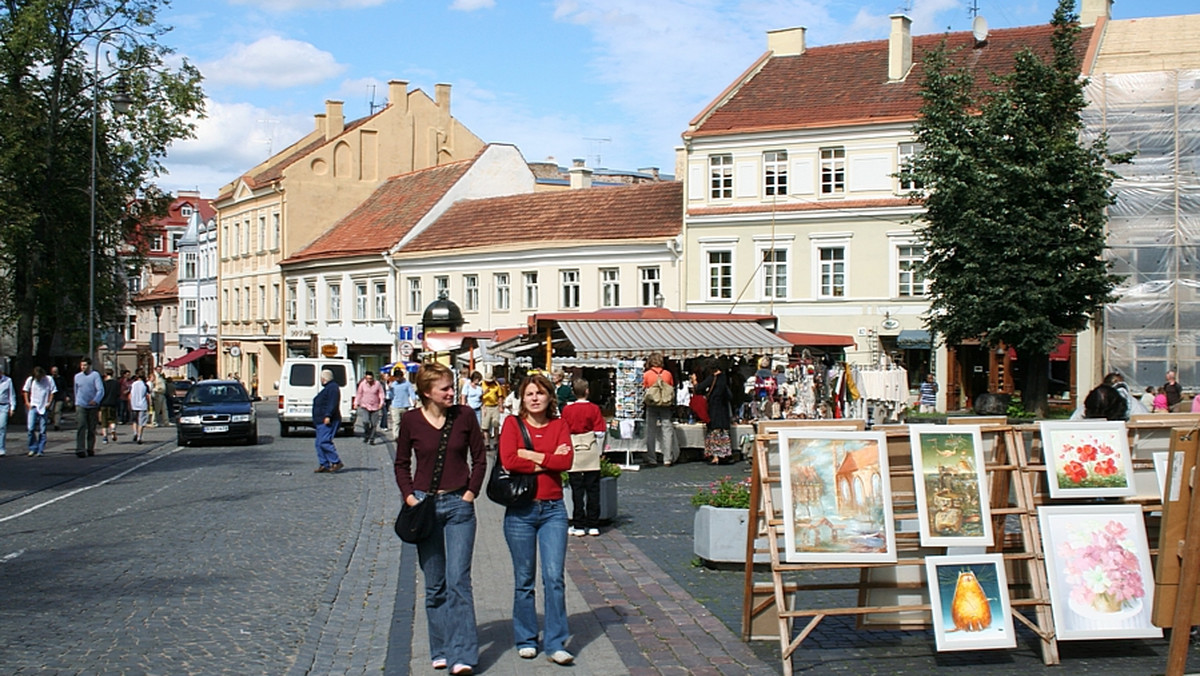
416, 522
512, 489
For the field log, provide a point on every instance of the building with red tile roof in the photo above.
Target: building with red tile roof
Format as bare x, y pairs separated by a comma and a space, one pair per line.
280, 206
793, 204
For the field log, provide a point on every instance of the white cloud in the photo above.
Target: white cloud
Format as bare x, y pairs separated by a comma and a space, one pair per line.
272, 62
295, 5
472, 5
232, 139
499, 117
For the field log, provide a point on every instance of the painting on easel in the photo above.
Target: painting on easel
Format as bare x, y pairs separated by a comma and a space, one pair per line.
837, 501
969, 598
949, 476
1087, 459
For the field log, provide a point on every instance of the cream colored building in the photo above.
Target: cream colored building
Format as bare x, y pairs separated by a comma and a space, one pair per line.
283, 204
794, 203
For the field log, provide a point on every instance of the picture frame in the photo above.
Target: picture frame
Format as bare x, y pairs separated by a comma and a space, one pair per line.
837, 498
969, 599
1087, 459
950, 479
1098, 566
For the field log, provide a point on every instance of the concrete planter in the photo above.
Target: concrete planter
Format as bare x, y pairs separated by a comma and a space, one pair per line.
719, 534
608, 498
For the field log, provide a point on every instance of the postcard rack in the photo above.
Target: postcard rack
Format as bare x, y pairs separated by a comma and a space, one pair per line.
1011, 492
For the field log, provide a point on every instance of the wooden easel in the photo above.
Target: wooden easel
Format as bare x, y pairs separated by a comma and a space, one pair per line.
1178, 567
1006, 497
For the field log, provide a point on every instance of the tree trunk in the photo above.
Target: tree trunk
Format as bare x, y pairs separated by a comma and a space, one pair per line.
1035, 382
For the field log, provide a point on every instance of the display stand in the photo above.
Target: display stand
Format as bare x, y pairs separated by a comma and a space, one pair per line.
628, 382
1178, 568
1012, 484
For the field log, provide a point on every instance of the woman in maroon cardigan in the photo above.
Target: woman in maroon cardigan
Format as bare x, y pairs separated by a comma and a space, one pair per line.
445, 556
540, 527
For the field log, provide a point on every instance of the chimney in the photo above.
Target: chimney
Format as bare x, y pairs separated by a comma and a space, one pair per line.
398, 94
786, 41
581, 176
653, 171
1093, 10
319, 119
899, 48
334, 121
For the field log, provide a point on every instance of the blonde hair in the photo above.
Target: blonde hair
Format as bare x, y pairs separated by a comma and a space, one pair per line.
428, 376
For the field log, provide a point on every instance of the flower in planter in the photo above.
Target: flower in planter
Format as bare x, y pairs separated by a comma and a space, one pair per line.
724, 493
608, 468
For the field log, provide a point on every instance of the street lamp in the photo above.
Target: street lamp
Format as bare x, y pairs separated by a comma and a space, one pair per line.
158, 308
121, 102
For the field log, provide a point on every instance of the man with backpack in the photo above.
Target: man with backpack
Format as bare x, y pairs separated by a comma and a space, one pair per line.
659, 400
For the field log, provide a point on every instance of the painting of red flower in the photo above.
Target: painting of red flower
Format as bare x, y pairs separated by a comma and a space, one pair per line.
1087, 458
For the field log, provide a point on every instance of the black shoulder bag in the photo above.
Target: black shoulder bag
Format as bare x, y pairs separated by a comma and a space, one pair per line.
512, 489
416, 522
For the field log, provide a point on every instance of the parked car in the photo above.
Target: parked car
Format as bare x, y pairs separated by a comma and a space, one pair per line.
217, 410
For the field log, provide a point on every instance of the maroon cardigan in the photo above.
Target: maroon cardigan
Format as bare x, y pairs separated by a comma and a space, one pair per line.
419, 438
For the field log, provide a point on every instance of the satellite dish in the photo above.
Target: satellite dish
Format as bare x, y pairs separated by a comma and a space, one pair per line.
979, 28
890, 324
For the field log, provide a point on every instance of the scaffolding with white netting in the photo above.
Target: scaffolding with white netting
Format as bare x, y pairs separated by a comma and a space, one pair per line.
1154, 227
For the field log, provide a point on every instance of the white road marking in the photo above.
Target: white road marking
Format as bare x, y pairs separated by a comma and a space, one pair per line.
77, 491
9, 557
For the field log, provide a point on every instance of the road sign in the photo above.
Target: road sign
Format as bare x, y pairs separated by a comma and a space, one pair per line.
405, 332
406, 349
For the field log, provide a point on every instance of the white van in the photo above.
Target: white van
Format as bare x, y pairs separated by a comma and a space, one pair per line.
300, 382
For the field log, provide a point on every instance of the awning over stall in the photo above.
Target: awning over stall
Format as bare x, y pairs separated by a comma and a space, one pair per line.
674, 339
914, 339
802, 339
188, 358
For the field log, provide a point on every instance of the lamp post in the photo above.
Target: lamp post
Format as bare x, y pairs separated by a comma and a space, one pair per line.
158, 308
121, 103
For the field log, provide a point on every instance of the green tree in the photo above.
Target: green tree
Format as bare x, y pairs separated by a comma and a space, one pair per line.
55, 56
1015, 204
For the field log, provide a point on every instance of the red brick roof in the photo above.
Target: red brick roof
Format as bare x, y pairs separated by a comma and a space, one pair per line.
845, 84
385, 217
166, 290
635, 212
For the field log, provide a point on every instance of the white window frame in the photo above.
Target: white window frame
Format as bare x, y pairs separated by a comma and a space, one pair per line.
293, 302
707, 250
274, 310
529, 290
897, 241
650, 284
262, 301
275, 232
262, 233
310, 301
157, 242
379, 287
441, 284
503, 290
904, 154
720, 176
189, 312
569, 283
833, 171
360, 300
190, 263
333, 300
779, 246
775, 172
414, 295
471, 292
830, 241
610, 287
237, 304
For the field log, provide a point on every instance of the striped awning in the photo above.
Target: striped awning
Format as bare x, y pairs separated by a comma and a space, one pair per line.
674, 339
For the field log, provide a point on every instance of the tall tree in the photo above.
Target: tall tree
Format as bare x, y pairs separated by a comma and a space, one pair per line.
1015, 203
61, 62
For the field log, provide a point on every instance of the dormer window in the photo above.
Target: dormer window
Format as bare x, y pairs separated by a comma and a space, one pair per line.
186, 210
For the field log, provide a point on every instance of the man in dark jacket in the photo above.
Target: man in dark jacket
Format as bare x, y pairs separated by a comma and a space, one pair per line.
327, 416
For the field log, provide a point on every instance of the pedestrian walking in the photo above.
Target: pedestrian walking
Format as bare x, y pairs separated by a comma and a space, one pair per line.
39, 400
369, 396
586, 425
1173, 390
404, 397
60, 397
108, 407
659, 403
139, 405
718, 447
89, 389
492, 399
927, 399
162, 416
126, 381
445, 556
8, 406
327, 417
538, 528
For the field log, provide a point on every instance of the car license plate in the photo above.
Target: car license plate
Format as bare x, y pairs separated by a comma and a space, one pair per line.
210, 429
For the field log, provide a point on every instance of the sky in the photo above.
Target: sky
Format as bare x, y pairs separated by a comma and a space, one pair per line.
613, 82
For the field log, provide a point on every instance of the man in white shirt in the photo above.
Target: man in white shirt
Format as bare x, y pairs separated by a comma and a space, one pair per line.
39, 392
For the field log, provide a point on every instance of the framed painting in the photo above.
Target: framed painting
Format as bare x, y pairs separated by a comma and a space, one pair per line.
1087, 459
950, 481
1098, 564
969, 599
837, 497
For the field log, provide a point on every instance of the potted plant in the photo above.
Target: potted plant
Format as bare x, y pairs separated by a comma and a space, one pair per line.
722, 513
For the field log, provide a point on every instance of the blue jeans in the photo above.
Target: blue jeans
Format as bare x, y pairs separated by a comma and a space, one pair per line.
445, 560
540, 527
36, 424
4, 429
326, 453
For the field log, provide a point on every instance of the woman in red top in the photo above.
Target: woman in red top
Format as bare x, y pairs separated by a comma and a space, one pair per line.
445, 556
539, 527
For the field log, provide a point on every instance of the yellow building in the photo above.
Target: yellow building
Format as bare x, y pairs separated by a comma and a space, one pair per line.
283, 204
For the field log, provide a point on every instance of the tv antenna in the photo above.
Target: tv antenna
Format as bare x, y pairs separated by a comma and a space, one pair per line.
597, 142
973, 10
269, 129
371, 99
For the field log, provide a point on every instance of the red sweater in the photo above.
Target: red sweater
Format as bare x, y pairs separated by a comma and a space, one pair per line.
545, 440
418, 437
582, 416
